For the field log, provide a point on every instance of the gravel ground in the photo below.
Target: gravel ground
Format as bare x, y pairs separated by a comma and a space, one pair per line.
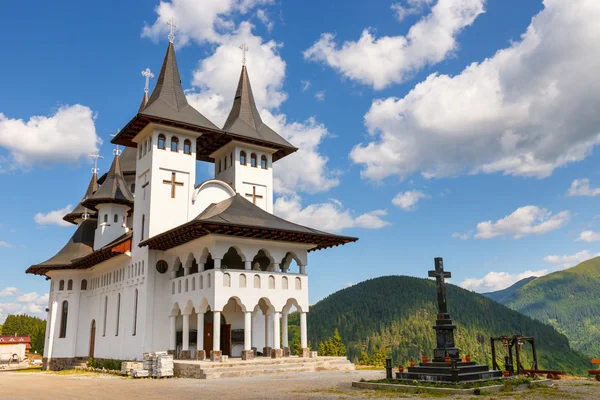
317, 385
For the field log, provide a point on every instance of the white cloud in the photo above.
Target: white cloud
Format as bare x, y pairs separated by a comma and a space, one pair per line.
494, 281
201, 21
9, 292
567, 261
263, 17
525, 111
305, 85
67, 136
462, 236
581, 187
28, 297
53, 217
320, 95
42, 300
588, 236
5, 244
524, 221
330, 216
409, 199
379, 62
411, 7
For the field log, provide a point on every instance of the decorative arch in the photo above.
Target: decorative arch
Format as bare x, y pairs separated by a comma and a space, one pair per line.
286, 261
233, 259
212, 182
262, 260
204, 306
161, 142
177, 268
292, 302
176, 310
189, 307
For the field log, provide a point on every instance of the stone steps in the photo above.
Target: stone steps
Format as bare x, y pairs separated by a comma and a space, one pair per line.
206, 370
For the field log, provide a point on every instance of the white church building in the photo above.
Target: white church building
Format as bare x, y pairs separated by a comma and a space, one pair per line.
160, 261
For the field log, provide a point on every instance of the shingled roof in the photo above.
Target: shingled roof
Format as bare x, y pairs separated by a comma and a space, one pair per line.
244, 121
80, 209
237, 216
128, 160
114, 190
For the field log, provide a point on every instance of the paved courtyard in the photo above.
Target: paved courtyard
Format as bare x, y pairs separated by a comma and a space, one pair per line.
317, 385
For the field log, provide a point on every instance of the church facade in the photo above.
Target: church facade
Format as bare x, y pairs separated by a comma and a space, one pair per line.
159, 261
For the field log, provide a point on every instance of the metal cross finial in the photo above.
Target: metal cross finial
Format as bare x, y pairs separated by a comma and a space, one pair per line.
172, 25
95, 157
147, 74
117, 151
244, 48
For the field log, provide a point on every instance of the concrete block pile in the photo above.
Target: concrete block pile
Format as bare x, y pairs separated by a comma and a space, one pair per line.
157, 365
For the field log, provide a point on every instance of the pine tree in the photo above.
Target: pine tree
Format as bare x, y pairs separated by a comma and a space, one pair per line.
378, 357
364, 358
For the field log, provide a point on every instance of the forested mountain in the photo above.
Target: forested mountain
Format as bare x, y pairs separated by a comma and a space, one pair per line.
397, 313
34, 327
501, 295
569, 300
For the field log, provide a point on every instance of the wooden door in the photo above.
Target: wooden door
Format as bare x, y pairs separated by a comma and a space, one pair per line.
208, 343
226, 339
92, 338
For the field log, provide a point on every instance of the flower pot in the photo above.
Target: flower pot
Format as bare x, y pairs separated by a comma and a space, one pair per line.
506, 374
468, 358
412, 363
448, 360
424, 359
400, 368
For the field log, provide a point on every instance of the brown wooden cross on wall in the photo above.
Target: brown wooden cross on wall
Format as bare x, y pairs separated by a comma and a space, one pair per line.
253, 195
173, 184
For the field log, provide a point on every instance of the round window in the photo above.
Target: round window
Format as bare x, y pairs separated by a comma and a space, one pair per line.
162, 266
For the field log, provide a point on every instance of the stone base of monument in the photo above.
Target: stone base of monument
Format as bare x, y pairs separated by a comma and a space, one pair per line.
457, 371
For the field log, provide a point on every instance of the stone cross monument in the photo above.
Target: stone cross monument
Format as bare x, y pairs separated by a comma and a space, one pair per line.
444, 328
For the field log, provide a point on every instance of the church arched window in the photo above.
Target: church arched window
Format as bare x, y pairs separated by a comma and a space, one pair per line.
132, 188
219, 167
84, 284
118, 313
140, 153
231, 159
263, 162
63, 319
174, 144
61, 285
70, 284
135, 311
187, 146
256, 282
106, 218
161, 141
143, 226
242, 158
105, 314
253, 160
116, 218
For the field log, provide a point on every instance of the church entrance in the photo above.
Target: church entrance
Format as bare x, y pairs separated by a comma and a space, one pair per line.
92, 338
225, 334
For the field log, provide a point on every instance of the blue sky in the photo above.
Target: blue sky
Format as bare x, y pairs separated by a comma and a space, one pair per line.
465, 129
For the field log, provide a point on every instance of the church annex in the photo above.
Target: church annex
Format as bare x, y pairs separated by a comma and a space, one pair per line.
161, 262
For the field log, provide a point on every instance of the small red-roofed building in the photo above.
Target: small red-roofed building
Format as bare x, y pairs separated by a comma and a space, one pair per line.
14, 345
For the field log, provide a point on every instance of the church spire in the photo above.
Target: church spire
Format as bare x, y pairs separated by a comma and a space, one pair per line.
114, 190
80, 211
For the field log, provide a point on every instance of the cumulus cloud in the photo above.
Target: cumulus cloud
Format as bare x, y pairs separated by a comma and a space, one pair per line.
524, 221
263, 17
53, 217
494, 281
9, 292
18, 303
567, 261
409, 7
330, 216
581, 187
379, 62
67, 136
526, 111
408, 200
320, 95
588, 236
28, 297
462, 236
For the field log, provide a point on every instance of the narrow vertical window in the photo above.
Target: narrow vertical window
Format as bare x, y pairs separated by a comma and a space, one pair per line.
143, 226
263, 162
242, 158
135, 307
219, 167
161, 141
70, 284
118, 312
253, 160
174, 144
61, 285
116, 219
106, 218
105, 314
187, 147
231, 159
84, 284
63, 319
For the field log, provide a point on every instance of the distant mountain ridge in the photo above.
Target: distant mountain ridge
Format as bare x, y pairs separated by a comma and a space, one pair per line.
397, 313
569, 300
501, 295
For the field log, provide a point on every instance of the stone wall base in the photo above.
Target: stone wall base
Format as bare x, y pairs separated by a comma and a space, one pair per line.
184, 354
59, 364
267, 351
286, 352
248, 355
276, 353
305, 352
215, 355
200, 355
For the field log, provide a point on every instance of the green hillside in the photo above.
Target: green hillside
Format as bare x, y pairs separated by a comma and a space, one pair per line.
501, 295
569, 300
397, 313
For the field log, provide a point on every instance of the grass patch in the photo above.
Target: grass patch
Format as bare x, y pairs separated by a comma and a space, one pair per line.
35, 369
74, 372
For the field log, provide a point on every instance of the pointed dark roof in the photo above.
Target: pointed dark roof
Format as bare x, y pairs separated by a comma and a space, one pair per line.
238, 217
80, 209
114, 190
244, 119
128, 161
144, 102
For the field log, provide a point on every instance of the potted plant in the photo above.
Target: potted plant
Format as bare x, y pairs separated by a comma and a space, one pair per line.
468, 358
448, 359
411, 363
424, 359
401, 368
506, 374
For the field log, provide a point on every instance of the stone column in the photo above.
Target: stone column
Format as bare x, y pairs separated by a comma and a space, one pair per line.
276, 352
303, 269
217, 263
50, 341
200, 353
185, 348
247, 353
173, 332
303, 337
215, 354
248, 265
186, 270
284, 334
200, 267
268, 337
